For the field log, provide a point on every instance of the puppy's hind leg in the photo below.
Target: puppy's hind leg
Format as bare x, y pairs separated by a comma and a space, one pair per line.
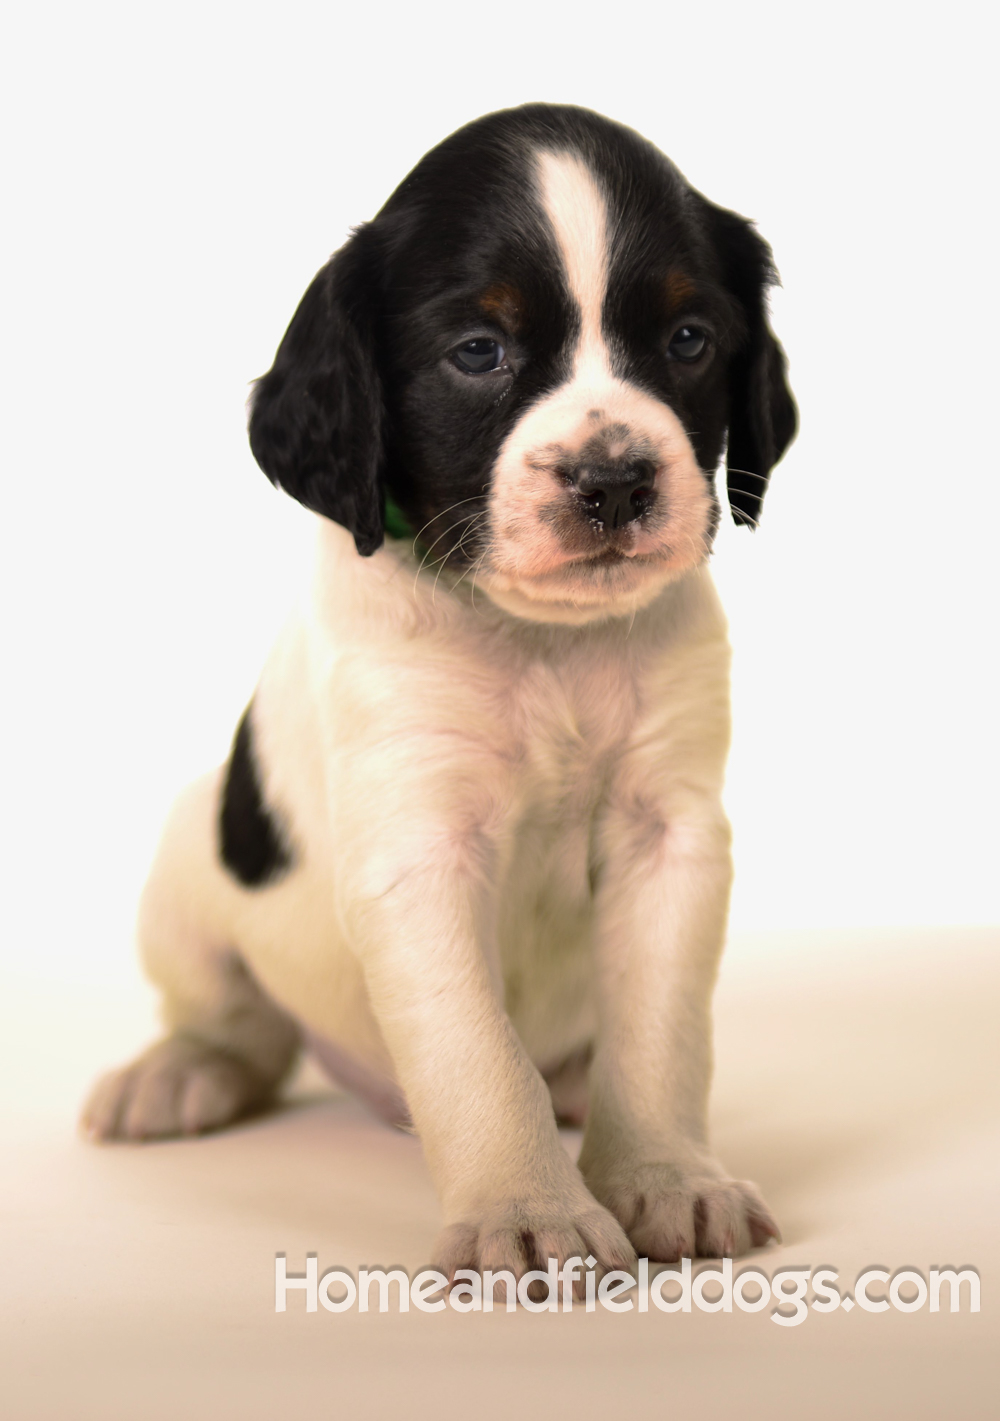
228, 1044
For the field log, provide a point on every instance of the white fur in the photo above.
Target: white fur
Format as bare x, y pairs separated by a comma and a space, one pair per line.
526, 569
508, 846
451, 775
578, 216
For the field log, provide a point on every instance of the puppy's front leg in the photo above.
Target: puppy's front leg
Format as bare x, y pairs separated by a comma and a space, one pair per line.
419, 913
662, 908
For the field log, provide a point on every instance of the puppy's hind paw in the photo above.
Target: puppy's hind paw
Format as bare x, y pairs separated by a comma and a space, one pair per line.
180, 1086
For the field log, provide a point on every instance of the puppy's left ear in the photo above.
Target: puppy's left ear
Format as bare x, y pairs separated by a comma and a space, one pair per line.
318, 419
762, 414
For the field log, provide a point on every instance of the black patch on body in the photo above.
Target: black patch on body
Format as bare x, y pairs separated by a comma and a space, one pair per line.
251, 844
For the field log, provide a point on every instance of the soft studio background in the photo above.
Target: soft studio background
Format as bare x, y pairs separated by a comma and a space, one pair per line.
174, 177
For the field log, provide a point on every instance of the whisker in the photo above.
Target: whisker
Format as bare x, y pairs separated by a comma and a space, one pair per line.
457, 548
473, 565
450, 529
442, 561
460, 545
437, 540
751, 475
441, 515
478, 569
431, 546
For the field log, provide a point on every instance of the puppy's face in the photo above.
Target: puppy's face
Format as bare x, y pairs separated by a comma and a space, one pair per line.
538, 349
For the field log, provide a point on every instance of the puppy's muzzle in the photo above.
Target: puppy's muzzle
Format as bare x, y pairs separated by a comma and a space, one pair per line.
615, 492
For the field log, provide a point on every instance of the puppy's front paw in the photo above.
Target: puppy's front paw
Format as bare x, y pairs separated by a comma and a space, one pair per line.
520, 1235
180, 1086
670, 1212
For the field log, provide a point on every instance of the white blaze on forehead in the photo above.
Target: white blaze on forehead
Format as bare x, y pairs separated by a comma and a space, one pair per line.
578, 215
540, 564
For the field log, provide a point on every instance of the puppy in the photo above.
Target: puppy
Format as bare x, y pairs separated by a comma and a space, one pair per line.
469, 846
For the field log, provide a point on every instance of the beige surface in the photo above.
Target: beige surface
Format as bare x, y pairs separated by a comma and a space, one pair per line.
856, 1082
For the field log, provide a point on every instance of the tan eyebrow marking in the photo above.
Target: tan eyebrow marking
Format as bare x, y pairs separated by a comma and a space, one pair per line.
679, 287
505, 304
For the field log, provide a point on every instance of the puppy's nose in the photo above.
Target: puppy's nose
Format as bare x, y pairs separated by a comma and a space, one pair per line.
616, 493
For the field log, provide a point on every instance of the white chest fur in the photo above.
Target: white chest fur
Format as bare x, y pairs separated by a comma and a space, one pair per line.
452, 724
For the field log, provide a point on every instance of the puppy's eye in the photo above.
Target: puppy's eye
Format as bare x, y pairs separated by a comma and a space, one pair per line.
687, 344
479, 356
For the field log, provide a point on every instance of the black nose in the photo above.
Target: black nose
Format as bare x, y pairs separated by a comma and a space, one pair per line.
616, 493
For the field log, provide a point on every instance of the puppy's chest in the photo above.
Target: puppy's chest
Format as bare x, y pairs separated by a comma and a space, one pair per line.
572, 723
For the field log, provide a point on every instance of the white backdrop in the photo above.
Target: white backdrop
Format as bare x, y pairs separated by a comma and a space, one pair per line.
176, 175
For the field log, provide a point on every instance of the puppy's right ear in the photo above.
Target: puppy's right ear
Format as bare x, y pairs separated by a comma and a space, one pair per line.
317, 418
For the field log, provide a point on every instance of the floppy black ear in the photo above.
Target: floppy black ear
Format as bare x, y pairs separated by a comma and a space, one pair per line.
317, 418
762, 414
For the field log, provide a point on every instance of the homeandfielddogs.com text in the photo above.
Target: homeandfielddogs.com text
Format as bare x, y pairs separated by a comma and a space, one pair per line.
791, 1293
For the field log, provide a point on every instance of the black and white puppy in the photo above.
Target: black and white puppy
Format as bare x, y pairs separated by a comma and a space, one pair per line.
469, 845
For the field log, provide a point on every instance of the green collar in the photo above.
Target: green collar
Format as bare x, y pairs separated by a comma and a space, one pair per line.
396, 523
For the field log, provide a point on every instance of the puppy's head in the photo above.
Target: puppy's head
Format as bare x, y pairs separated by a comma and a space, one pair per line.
538, 349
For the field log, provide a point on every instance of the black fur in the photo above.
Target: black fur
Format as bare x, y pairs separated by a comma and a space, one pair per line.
762, 413
251, 844
318, 414
363, 397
